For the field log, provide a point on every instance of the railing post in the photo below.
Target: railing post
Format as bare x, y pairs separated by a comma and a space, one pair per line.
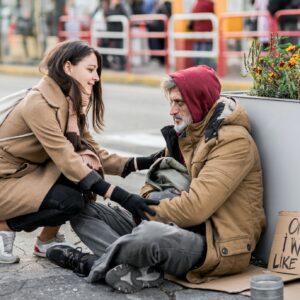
184, 35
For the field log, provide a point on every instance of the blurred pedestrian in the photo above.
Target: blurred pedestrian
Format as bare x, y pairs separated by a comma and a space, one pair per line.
99, 24
48, 175
202, 6
136, 6
24, 18
5, 19
286, 23
117, 62
148, 6
72, 25
164, 8
262, 21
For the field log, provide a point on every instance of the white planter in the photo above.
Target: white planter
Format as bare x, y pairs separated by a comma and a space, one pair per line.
275, 127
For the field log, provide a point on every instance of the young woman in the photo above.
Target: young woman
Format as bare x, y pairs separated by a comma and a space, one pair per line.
47, 176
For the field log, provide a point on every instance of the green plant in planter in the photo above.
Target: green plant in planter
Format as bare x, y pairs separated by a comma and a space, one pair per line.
275, 73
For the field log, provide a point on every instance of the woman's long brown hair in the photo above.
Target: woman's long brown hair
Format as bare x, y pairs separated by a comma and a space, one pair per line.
74, 52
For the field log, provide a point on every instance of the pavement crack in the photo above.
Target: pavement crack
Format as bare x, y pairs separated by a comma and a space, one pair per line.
15, 290
21, 249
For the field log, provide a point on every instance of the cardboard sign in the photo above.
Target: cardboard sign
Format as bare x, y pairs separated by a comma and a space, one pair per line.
285, 251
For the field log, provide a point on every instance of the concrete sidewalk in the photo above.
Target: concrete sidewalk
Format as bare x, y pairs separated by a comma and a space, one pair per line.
37, 278
145, 75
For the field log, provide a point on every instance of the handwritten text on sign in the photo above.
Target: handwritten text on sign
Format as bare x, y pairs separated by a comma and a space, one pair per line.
289, 253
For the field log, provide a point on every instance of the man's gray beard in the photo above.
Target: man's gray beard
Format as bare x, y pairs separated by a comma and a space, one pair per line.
186, 121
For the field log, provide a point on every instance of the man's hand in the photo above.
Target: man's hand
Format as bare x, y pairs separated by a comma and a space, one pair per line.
138, 206
135, 204
145, 162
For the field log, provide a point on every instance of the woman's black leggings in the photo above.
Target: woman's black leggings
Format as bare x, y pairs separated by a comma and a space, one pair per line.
62, 202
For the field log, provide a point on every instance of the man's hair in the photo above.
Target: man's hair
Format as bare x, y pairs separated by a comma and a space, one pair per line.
167, 84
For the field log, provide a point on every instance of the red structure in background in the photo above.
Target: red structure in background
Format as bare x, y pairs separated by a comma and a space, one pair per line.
224, 36
141, 20
82, 30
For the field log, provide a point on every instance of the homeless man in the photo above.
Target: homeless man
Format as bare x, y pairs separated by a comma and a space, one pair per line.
209, 230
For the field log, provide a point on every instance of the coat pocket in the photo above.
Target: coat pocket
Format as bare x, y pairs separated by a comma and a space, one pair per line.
6, 167
234, 256
23, 170
234, 246
10, 169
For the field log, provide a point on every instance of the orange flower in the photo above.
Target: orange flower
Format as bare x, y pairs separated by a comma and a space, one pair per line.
296, 56
290, 48
292, 62
258, 70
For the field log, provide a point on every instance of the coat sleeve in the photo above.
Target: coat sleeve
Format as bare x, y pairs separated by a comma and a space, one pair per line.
43, 122
113, 164
226, 166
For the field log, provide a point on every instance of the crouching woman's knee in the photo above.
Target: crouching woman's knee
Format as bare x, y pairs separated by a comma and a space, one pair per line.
73, 203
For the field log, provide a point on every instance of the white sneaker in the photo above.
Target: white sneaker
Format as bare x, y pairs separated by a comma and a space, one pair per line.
6, 248
40, 248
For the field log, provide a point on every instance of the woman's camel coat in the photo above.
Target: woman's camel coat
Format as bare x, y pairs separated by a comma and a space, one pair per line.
29, 166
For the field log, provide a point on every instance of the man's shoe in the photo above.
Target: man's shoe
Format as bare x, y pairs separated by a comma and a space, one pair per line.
40, 247
6, 248
128, 279
71, 258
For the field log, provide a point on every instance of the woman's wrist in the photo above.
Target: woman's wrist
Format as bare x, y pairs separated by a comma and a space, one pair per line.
109, 192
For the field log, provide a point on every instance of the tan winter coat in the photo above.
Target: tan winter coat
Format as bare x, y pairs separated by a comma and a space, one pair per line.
29, 166
226, 194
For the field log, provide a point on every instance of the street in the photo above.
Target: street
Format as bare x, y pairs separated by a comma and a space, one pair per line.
133, 118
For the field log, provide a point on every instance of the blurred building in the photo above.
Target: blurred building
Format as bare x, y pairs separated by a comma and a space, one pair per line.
29, 27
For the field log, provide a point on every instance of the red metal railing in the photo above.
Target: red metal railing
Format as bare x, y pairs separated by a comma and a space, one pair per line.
81, 28
144, 34
224, 36
274, 28
282, 13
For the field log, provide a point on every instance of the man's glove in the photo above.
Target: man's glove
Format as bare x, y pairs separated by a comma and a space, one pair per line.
133, 203
141, 163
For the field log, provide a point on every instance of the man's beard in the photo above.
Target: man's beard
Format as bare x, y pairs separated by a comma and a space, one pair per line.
185, 122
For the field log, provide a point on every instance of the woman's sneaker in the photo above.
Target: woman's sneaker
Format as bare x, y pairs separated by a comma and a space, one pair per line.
40, 248
128, 279
6, 248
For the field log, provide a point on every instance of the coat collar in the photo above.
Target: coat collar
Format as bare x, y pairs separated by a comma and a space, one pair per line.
54, 96
52, 92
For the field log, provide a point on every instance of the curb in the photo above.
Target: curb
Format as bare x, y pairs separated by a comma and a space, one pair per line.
123, 77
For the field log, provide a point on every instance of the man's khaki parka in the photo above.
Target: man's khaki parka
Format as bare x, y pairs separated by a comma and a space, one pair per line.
225, 194
29, 166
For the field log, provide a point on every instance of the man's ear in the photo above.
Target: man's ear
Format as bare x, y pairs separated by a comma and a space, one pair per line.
68, 68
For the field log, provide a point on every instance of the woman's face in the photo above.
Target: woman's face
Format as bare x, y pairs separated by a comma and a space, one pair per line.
85, 72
